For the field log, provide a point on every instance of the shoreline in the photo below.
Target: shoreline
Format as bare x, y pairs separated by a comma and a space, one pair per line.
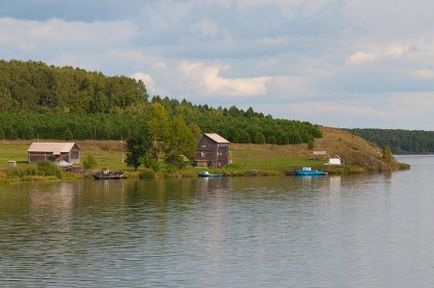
358, 157
192, 173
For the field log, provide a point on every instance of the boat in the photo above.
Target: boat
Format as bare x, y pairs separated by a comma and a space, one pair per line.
107, 174
207, 174
308, 171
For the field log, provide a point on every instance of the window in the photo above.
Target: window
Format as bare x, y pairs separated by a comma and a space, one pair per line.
204, 146
202, 154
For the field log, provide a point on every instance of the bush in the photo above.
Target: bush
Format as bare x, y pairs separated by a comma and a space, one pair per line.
404, 166
90, 162
147, 174
49, 169
22, 171
177, 160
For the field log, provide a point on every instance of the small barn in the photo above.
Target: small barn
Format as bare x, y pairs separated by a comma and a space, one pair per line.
212, 151
54, 151
336, 160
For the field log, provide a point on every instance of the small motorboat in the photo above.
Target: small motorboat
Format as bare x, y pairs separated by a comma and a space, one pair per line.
308, 171
107, 174
207, 174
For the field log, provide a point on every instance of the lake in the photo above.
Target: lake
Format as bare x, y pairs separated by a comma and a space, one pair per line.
350, 231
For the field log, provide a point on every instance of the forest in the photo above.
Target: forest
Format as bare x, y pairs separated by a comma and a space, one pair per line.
48, 102
400, 141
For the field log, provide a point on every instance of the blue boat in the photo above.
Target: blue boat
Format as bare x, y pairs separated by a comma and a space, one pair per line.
308, 171
207, 174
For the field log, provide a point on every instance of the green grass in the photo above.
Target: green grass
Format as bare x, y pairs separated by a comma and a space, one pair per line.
276, 164
106, 159
16, 152
248, 159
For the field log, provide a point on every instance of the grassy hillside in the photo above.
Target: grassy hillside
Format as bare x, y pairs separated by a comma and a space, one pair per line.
354, 151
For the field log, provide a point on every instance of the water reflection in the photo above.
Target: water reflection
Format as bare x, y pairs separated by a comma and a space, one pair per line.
226, 232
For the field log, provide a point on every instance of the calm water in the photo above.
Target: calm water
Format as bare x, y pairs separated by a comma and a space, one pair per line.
364, 231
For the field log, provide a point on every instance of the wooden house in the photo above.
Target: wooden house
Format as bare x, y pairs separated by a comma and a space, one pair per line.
54, 151
212, 151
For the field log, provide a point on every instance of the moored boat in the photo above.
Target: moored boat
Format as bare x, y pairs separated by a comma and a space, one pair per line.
207, 174
308, 171
107, 174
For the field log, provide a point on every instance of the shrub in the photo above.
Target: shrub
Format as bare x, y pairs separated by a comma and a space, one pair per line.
147, 174
177, 160
22, 171
49, 169
90, 162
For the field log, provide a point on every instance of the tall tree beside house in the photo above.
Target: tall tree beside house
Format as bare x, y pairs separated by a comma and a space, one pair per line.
139, 150
158, 126
182, 139
161, 139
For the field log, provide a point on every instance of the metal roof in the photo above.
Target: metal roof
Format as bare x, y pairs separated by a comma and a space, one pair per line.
216, 138
51, 147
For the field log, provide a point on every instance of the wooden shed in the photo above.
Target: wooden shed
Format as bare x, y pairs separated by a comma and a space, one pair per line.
54, 151
212, 151
335, 161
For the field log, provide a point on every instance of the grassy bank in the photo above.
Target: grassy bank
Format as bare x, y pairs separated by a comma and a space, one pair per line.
358, 156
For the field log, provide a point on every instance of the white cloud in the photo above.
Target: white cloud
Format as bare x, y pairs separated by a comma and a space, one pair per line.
60, 34
287, 5
396, 50
360, 58
146, 78
424, 73
208, 77
129, 55
378, 51
206, 28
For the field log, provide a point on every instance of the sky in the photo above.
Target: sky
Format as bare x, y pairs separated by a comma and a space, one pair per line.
341, 63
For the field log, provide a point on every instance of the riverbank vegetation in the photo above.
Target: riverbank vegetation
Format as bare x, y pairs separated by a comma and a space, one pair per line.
358, 156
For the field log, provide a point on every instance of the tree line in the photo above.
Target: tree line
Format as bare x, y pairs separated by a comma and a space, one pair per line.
399, 141
37, 87
39, 100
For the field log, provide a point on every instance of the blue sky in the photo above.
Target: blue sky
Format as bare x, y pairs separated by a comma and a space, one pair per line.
343, 63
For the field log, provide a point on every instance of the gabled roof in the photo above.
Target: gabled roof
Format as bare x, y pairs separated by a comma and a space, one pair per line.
216, 138
51, 147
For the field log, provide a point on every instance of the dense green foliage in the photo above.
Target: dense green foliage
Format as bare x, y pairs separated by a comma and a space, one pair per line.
37, 87
89, 162
399, 141
37, 100
41, 169
161, 138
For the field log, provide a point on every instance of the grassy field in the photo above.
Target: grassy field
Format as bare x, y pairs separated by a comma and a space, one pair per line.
110, 154
248, 159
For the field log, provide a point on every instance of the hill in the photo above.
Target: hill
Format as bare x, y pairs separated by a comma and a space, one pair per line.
357, 154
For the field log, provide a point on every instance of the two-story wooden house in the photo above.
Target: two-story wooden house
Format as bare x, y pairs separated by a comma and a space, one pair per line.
212, 151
